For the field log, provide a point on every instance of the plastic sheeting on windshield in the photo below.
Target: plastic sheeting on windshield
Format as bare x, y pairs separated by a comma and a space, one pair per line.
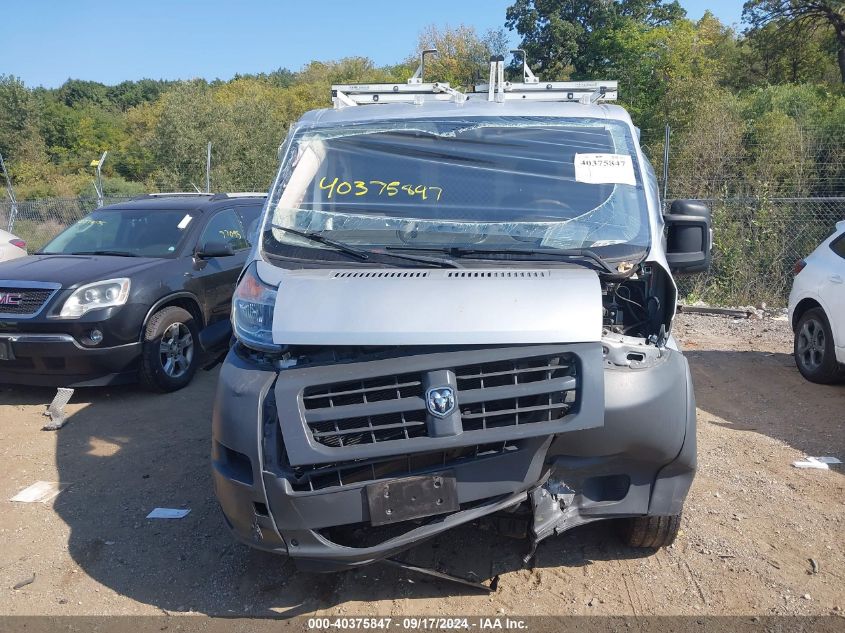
499, 181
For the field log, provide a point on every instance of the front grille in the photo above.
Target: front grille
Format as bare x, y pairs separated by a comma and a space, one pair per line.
23, 301
363, 391
513, 372
311, 478
366, 429
402, 425
547, 406
492, 394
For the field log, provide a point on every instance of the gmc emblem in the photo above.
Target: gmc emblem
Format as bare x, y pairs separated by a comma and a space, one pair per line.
10, 298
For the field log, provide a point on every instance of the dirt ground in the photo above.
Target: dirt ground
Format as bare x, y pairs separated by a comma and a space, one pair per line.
751, 526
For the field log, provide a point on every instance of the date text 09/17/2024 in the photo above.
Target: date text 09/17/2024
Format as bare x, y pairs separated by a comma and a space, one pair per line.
418, 623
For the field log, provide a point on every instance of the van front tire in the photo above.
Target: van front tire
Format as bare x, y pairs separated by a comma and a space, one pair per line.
170, 351
650, 532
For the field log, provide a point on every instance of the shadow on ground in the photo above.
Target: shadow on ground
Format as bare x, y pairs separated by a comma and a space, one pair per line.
126, 452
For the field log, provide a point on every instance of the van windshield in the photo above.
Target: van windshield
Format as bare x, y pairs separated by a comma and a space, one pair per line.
503, 183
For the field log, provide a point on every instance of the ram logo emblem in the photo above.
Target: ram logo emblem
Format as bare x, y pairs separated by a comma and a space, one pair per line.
440, 401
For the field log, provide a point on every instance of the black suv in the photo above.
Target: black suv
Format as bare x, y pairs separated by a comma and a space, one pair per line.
135, 290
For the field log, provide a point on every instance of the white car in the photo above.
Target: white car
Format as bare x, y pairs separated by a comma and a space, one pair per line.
11, 246
817, 310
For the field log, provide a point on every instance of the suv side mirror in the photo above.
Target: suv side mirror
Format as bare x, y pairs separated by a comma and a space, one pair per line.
689, 236
215, 249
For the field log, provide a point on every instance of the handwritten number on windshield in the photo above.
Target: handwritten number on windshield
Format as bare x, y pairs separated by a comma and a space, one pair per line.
390, 189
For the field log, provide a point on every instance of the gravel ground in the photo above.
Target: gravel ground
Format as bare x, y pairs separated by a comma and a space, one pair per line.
751, 527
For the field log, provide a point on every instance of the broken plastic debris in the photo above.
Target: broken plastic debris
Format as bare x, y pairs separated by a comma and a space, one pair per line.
169, 513
820, 463
56, 410
810, 463
40, 492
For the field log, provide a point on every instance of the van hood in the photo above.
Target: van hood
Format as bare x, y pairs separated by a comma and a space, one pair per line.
74, 270
366, 306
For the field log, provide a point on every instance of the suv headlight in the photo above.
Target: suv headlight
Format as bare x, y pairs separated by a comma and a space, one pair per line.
100, 294
252, 312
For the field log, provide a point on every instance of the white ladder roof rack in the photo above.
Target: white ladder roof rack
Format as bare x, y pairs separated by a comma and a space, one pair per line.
531, 88
580, 91
363, 94
417, 91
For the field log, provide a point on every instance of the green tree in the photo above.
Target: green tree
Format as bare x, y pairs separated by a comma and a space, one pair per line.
789, 53
576, 38
177, 138
130, 94
463, 54
800, 14
18, 119
77, 91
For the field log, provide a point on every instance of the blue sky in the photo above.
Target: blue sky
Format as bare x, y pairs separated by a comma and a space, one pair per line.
46, 42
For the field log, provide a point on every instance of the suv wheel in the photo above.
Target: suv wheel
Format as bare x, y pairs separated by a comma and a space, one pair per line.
814, 353
650, 532
170, 352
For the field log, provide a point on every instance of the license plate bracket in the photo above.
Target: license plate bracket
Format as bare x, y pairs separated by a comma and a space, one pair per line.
412, 497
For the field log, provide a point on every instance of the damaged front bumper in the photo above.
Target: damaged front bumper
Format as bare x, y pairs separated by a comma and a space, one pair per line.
568, 431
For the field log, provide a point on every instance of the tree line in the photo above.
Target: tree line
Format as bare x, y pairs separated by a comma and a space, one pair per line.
758, 109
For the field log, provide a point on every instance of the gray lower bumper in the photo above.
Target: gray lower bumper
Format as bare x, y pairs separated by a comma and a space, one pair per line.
640, 461
58, 360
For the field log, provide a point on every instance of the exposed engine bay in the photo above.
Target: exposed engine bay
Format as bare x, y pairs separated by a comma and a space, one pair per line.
639, 306
636, 314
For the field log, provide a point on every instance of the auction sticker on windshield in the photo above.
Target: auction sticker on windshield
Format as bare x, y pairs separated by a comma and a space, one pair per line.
604, 169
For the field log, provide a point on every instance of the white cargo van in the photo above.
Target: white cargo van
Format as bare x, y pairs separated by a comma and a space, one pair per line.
460, 307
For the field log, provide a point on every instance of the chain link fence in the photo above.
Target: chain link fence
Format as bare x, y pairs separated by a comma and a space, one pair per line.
776, 187
756, 241
38, 221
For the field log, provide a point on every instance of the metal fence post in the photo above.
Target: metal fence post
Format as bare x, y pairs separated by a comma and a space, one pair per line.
208, 169
98, 183
13, 201
666, 162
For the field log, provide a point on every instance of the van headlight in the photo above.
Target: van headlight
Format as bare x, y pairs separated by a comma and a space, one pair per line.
252, 312
100, 294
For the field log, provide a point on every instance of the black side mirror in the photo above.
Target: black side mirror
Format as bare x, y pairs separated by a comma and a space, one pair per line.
215, 249
689, 236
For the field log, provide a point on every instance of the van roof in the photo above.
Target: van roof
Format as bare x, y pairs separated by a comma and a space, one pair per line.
475, 106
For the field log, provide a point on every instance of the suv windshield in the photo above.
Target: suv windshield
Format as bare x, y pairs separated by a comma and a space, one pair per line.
497, 183
141, 232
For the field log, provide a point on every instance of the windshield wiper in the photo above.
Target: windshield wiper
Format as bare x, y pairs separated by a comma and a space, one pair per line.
103, 252
363, 254
322, 239
435, 261
512, 254
579, 253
